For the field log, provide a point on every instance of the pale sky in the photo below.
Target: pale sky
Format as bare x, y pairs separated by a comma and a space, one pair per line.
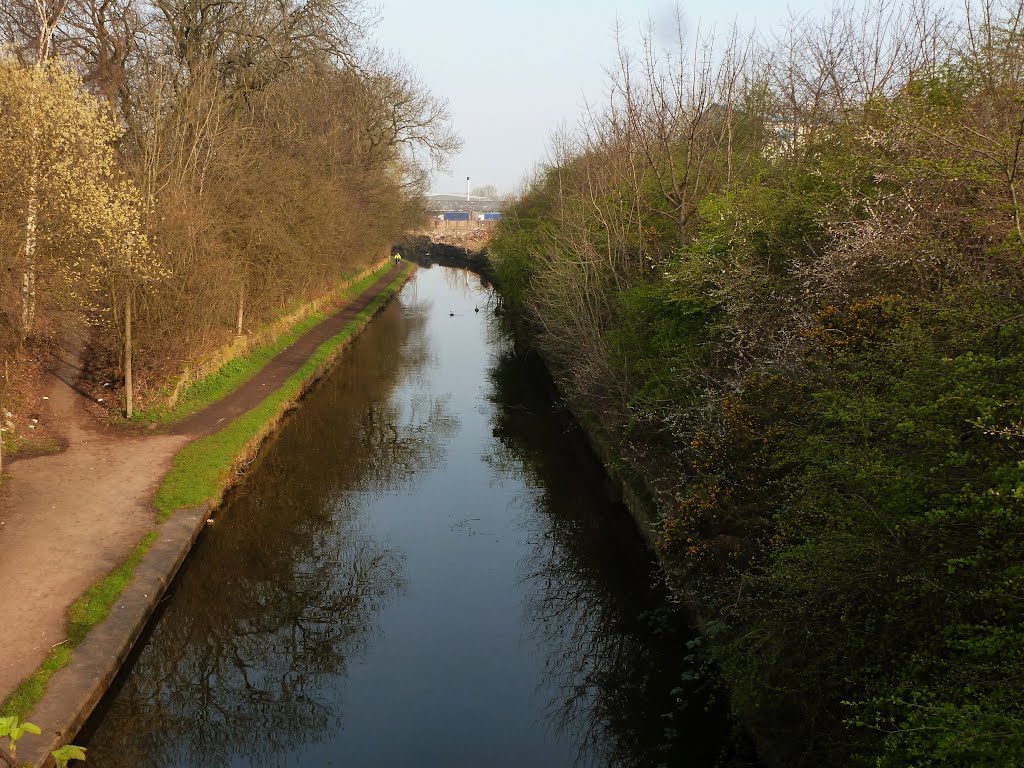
515, 71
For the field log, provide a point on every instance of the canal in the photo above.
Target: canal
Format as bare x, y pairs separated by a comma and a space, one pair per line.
423, 568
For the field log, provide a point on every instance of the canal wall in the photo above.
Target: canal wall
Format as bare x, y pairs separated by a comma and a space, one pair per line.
74, 691
632, 490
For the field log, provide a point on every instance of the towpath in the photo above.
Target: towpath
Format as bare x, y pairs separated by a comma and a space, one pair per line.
68, 519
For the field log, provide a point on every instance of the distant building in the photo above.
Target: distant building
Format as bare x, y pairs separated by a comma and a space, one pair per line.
441, 203
785, 136
456, 212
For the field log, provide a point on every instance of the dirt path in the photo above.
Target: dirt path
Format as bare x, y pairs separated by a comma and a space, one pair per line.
278, 370
66, 520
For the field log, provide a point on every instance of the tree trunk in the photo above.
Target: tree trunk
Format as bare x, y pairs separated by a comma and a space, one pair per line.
128, 356
48, 18
241, 310
1016, 211
28, 277
3, 418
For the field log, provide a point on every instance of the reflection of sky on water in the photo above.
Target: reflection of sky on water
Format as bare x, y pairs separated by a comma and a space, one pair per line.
421, 570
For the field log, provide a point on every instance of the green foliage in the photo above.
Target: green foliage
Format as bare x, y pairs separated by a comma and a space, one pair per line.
12, 730
521, 234
202, 469
84, 614
67, 753
887, 575
511, 252
947, 88
769, 222
660, 337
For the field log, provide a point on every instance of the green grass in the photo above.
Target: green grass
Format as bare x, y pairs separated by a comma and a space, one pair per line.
84, 614
23, 446
235, 373
203, 468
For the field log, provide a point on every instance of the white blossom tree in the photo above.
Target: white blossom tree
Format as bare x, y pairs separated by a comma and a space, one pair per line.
77, 219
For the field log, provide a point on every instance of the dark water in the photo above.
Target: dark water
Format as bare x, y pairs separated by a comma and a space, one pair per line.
423, 569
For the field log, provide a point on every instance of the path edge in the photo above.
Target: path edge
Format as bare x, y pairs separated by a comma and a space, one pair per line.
75, 690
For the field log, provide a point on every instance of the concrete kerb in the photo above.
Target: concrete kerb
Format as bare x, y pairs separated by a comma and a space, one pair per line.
75, 690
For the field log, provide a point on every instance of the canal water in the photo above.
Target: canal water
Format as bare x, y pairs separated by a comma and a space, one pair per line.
423, 568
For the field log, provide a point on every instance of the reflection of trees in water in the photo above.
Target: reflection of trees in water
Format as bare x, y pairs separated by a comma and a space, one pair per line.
243, 661
374, 442
590, 585
283, 590
613, 670
467, 285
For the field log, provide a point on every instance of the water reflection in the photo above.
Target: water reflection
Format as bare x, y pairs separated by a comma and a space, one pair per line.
595, 609
423, 569
466, 285
284, 590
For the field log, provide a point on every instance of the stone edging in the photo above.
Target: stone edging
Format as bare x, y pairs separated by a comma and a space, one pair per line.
75, 690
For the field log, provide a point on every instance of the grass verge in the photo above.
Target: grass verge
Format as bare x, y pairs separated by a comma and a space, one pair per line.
201, 472
28, 446
203, 468
84, 614
235, 373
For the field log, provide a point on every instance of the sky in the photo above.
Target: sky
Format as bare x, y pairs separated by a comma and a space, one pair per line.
516, 71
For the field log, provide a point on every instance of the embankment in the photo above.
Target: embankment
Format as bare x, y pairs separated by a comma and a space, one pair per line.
228, 434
